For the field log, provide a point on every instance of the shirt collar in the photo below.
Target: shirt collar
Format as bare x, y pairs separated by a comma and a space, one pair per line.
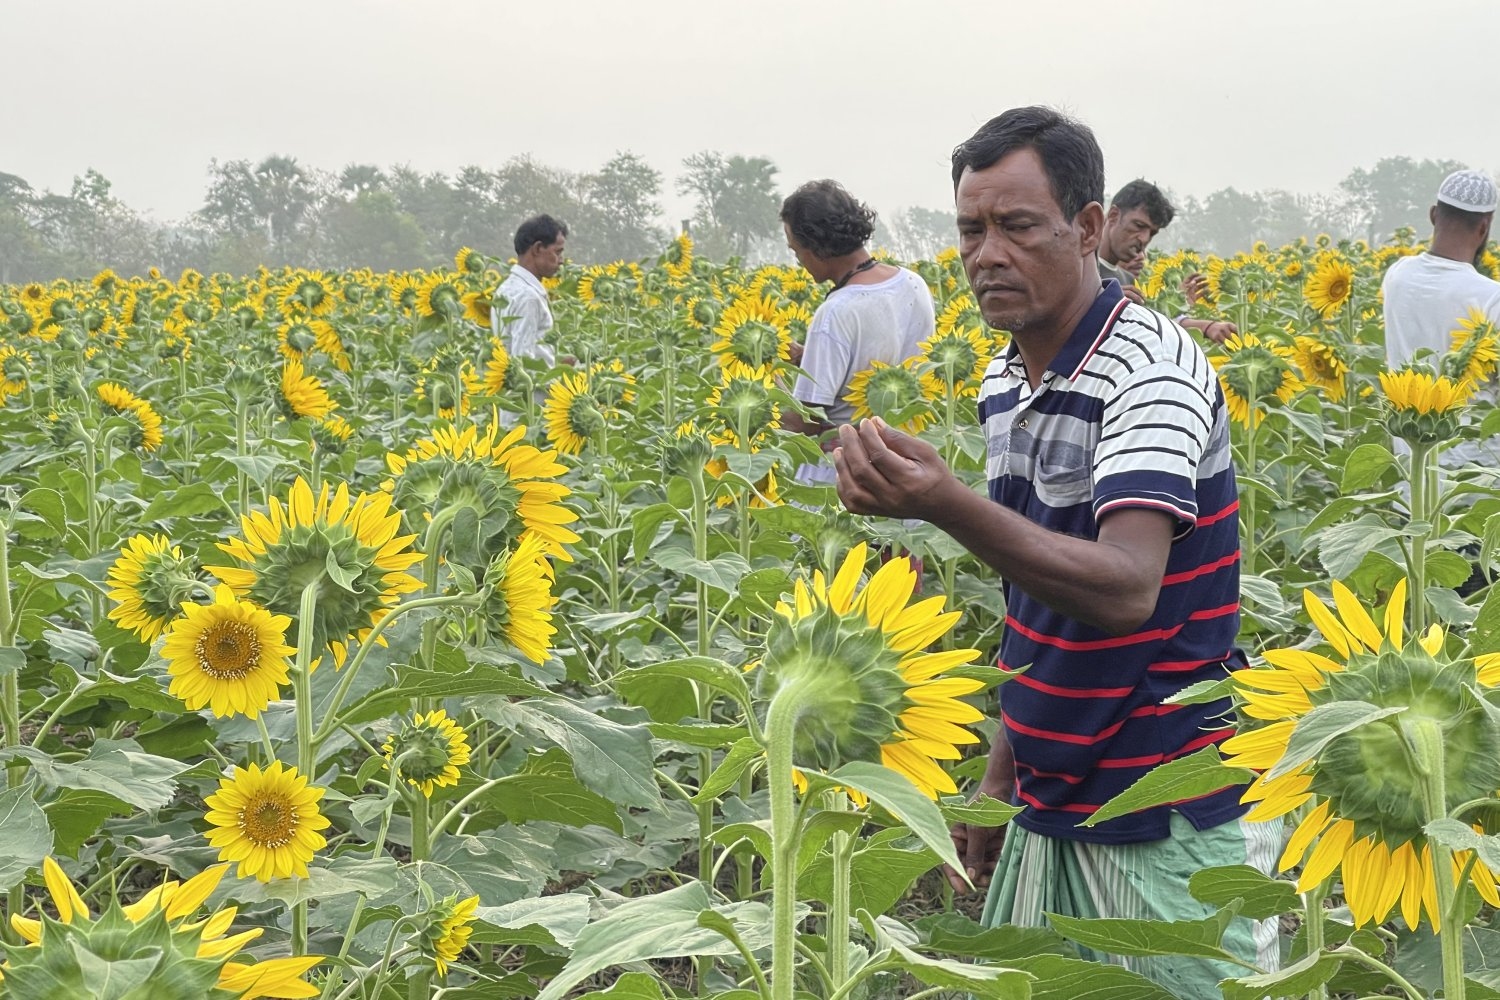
527, 278
1086, 336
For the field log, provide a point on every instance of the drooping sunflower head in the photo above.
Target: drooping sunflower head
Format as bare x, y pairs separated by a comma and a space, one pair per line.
445, 930
302, 395
1369, 785
467, 261
405, 290
477, 307
267, 821
440, 296
1330, 285
678, 258
876, 694
308, 292
1475, 351
898, 394
744, 406
428, 751
332, 434
15, 370
1321, 365
961, 313
520, 607
1253, 372
958, 358
348, 549
145, 422
752, 337
496, 368
704, 313
573, 414
149, 582
1423, 408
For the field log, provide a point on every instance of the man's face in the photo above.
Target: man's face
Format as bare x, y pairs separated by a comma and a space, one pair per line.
549, 257
1128, 233
1023, 258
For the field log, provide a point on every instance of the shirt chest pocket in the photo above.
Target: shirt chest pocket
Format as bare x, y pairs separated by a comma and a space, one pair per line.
1064, 474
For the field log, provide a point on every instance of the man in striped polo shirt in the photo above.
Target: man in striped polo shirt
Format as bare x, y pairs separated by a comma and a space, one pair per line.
1112, 519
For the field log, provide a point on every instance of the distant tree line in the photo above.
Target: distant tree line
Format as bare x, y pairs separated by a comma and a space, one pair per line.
279, 211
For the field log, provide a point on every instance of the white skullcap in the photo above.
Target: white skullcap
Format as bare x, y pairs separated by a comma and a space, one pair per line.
1470, 191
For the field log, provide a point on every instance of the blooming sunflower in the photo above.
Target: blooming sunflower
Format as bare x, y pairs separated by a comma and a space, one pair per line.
961, 313
1330, 285
496, 367
572, 413
1474, 354
149, 581
229, 656
466, 261
267, 822
521, 606
886, 697
514, 490
349, 549
898, 394
308, 292
678, 259
1252, 371
428, 751
1422, 408
303, 395
752, 338
146, 431
448, 933
174, 904
1321, 365
744, 405
1369, 794
958, 359
477, 308
440, 295
15, 370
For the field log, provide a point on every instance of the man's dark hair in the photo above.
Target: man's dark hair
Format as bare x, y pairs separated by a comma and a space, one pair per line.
543, 229
826, 219
1458, 218
1144, 194
1069, 152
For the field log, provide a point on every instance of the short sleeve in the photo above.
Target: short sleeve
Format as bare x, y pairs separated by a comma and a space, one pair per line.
1154, 433
825, 359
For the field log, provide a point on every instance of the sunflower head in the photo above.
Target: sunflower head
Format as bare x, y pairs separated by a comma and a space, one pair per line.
467, 261
1321, 365
744, 405
866, 690
428, 751
443, 931
573, 414
440, 296
302, 395
332, 434
267, 821
1423, 408
898, 394
704, 313
348, 548
752, 337
1475, 351
1252, 372
958, 359
688, 451
149, 581
229, 656
521, 601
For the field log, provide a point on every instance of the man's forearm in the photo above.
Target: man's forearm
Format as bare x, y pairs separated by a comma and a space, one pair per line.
1094, 582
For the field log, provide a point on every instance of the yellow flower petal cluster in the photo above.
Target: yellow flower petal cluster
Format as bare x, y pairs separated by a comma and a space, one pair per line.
228, 656
266, 821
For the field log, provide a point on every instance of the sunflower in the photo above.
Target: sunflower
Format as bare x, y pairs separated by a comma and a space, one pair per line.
496, 367
572, 413
466, 261
448, 934
678, 259
229, 656
146, 432
1321, 365
887, 697
299, 338
1367, 788
1422, 408
428, 751
752, 338
703, 313
957, 359
1253, 371
898, 394
439, 295
1330, 286
15, 371
308, 292
1474, 353
522, 603
477, 308
149, 581
266, 821
175, 904
404, 289
437, 387
303, 395
743, 404
961, 313
349, 549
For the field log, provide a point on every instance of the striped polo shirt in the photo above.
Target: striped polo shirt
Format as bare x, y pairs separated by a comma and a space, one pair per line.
1129, 414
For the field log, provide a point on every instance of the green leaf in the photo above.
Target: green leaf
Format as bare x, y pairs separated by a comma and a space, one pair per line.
83, 692
1008, 944
900, 798
1486, 632
983, 811
764, 587
412, 682
78, 814
709, 736
12, 660
1342, 547
630, 986
662, 925
740, 756
879, 875
645, 525
1461, 837
552, 798
989, 981
1366, 465
119, 769
1262, 895
185, 501
701, 670
545, 921
722, 572
611, 758
1322, 726
1202, 693
1060, 977
1118, 936
48, 505
1297, 979
345, 875
1184, 778
27, 839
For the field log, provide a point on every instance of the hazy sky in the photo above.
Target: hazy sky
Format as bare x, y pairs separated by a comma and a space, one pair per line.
1196, 96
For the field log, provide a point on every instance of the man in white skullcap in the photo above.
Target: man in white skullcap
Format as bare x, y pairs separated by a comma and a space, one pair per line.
1427, 295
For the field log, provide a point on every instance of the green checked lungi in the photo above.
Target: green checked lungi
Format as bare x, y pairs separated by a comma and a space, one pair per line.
1148, 881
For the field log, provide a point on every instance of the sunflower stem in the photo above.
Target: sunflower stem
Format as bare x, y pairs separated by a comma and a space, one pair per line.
1425, 738
302, 692
1314, 932
837, 932
1420, 512
10, 713
1369, 961
787, 707
241, 436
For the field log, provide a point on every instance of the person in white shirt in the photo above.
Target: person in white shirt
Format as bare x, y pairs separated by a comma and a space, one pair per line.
874, 312
1426, 296
522, 316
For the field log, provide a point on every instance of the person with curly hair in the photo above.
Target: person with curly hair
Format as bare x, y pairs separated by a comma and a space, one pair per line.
874, 312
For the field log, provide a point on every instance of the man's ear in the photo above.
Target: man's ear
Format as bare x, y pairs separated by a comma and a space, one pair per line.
1112, 217
1089, 223
1432, 215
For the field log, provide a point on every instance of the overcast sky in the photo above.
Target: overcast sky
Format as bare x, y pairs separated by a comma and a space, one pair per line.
1194, 95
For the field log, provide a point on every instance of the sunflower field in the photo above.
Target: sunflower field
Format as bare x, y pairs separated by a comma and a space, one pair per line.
345, 656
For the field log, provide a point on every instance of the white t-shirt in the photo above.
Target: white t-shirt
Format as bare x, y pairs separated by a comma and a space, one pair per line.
885, 321
1425, 299
528, 312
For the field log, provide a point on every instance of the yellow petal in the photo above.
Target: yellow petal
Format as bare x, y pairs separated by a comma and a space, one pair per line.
1395, 615
1356, 619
